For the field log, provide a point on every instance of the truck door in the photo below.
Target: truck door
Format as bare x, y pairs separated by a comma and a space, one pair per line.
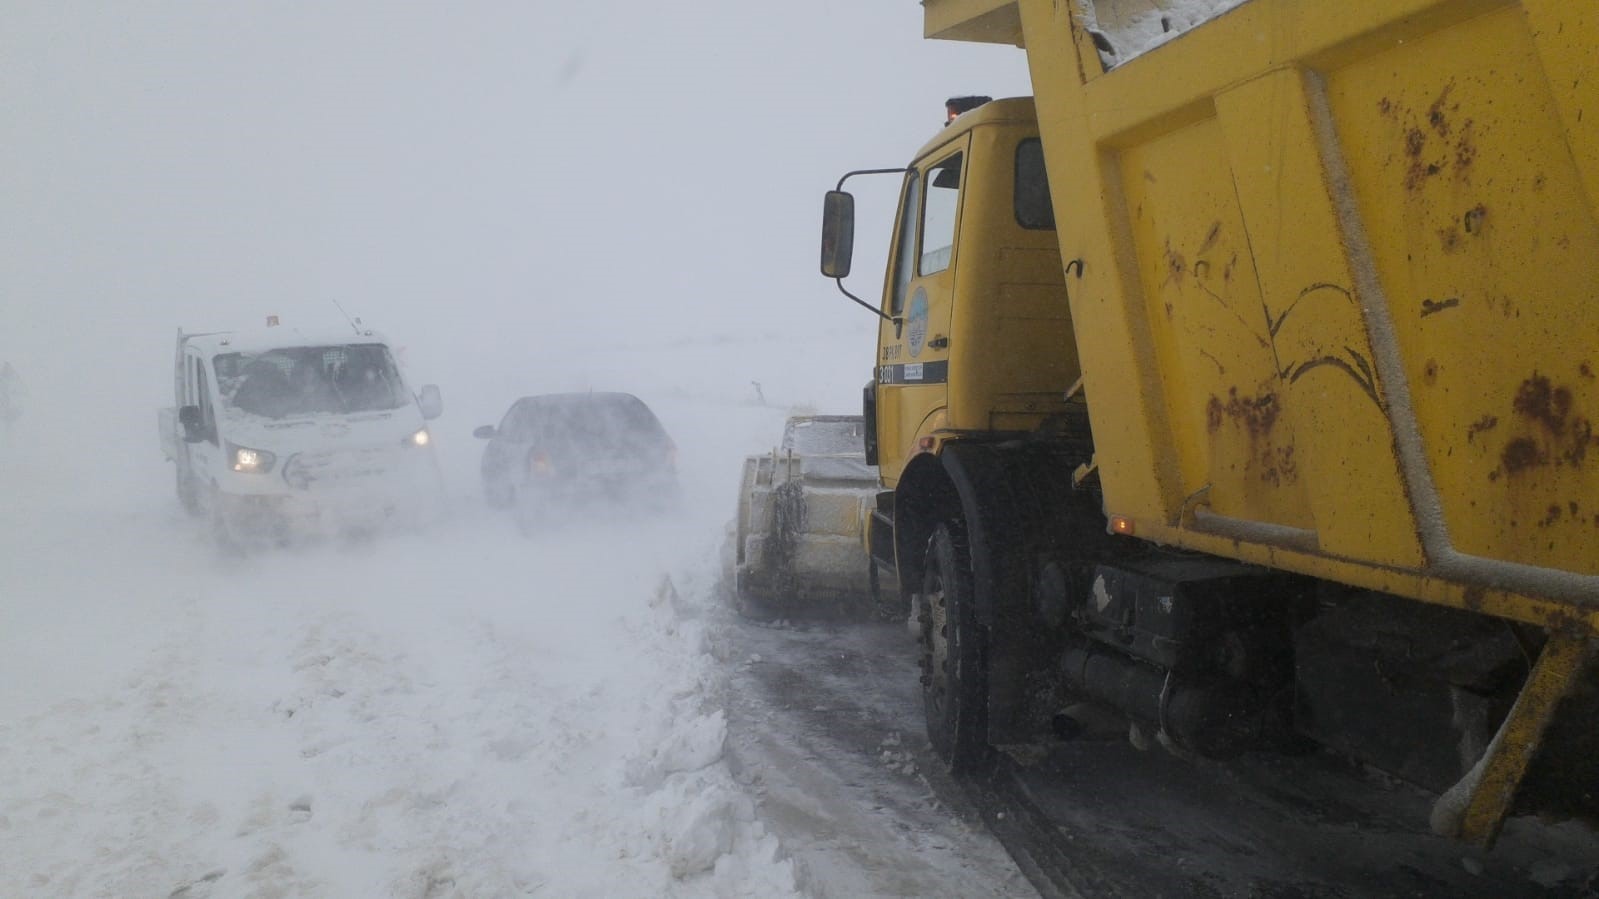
913, 350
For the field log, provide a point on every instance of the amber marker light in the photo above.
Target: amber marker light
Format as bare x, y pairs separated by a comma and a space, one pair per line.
1121, 524
925, 444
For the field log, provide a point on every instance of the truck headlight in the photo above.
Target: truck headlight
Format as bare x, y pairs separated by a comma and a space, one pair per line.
250, 461
420, 438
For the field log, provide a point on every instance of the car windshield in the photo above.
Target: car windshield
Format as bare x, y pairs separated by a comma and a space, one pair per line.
293, 381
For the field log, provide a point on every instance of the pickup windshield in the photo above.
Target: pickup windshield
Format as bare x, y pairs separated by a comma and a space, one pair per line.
293, 381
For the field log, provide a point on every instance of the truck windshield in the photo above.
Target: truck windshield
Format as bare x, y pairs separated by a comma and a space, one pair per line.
292, 381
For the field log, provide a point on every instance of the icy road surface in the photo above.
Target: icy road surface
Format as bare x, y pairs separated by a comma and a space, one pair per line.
463, 712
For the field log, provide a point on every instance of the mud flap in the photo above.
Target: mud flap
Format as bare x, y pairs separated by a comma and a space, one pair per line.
1475, 808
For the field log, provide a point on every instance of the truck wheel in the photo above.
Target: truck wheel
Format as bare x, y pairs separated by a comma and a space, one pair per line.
954, 679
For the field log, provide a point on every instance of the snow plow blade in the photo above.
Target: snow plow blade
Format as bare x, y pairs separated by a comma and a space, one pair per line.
803, 513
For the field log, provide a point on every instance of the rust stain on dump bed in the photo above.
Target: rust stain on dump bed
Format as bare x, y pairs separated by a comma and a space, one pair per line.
1438, 124
1485, 423
1257, 416
1561, 434
1419, 169
1541, 401
1521, 454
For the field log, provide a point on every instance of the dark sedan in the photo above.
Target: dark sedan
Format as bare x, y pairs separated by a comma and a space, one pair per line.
561, 455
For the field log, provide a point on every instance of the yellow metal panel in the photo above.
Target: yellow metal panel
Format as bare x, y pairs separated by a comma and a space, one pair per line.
1485, 246
1255, 38
983, 21
1010, 302
1567, 37
1120, 371
1332, 395
904, 414
1221, 392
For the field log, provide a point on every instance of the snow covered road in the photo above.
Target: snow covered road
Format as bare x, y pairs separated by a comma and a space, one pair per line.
461, 713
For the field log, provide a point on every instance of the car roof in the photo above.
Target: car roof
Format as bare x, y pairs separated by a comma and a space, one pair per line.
577, 399
257, 340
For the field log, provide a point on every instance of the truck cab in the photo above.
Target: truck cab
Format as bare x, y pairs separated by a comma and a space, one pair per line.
976, 335
976, 345
281, 434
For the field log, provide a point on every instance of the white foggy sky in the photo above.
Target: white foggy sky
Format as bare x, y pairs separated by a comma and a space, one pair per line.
463, 174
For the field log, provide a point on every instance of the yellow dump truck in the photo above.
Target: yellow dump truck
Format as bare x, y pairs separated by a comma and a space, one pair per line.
1247, 387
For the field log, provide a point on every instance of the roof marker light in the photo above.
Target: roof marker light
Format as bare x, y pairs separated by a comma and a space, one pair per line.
954, 106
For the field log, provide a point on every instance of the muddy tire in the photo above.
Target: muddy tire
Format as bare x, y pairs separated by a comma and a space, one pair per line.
954, 674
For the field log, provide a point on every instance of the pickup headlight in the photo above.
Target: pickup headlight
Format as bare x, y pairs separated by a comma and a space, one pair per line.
420, 438
250, 461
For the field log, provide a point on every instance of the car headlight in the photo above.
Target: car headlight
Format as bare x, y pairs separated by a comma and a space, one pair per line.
420, 438
250, 461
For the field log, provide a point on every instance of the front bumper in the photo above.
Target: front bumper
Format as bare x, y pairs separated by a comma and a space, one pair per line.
326, 494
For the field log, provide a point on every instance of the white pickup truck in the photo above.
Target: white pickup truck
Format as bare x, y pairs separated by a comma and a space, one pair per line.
279, 434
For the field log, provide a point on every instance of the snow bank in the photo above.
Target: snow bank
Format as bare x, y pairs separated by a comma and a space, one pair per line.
1128, 28
703, 823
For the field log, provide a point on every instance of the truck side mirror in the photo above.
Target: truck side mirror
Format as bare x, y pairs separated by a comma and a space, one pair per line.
483, 432
431, 403
193, 424
838, 233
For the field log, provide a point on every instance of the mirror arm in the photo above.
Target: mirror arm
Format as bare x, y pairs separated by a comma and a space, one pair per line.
863, 304
840, 281
849, 175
